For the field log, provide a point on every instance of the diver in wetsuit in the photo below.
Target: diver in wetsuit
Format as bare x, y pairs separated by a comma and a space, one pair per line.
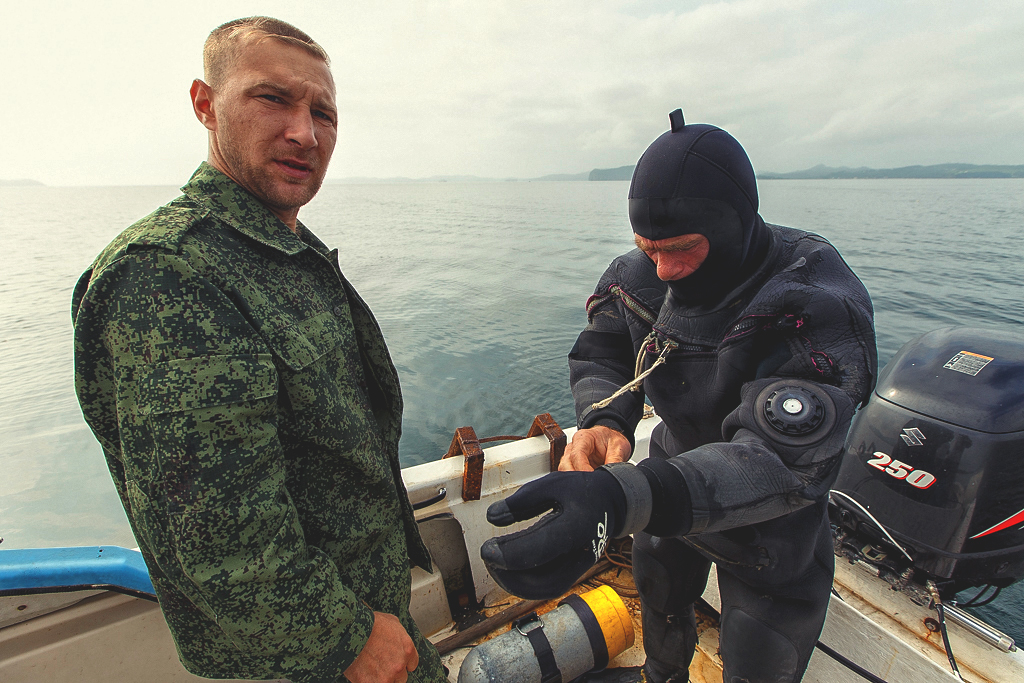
758, 344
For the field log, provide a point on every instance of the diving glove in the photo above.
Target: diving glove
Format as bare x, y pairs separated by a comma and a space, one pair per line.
586, 510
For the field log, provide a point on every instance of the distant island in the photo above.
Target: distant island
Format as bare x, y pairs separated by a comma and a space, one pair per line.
819, 172
566, 176
620, 173
359, 180
822, 172
19, 183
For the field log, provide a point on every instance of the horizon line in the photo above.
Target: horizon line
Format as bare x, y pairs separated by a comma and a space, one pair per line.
579, 177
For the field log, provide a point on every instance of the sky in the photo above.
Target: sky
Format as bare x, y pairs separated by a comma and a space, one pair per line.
98, 91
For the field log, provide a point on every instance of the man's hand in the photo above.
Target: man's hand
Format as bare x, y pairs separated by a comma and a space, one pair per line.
544, 561
388, 655
593, 447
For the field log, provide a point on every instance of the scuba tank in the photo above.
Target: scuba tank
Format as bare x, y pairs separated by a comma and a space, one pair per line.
580, 636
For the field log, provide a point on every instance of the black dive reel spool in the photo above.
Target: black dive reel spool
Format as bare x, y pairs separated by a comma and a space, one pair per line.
937, 458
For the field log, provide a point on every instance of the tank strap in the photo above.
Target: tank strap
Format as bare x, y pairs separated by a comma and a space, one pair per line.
549, 672
593, 628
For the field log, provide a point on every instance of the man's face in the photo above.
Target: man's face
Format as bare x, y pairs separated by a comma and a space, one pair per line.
675, 257
274, 124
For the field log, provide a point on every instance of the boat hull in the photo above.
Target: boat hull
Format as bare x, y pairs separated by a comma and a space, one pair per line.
104, 636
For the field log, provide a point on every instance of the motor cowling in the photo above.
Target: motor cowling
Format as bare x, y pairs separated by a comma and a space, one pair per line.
937, 457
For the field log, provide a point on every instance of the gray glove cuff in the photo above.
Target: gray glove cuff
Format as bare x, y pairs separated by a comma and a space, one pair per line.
638, 496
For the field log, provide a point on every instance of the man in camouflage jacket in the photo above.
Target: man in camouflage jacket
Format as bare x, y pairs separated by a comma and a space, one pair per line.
246, 403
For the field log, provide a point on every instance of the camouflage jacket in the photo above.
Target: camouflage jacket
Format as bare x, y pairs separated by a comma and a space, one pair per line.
250, 415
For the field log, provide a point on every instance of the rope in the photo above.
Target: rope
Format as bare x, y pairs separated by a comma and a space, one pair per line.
618, 553
642, 355
640, 376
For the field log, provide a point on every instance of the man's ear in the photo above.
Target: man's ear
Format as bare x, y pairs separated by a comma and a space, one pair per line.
202, 104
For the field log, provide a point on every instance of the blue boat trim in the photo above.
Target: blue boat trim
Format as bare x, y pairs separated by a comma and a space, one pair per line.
57, 570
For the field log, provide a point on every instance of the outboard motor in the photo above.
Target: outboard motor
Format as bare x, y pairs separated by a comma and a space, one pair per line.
937, 458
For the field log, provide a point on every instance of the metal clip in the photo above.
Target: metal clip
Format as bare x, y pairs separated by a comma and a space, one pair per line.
527, 619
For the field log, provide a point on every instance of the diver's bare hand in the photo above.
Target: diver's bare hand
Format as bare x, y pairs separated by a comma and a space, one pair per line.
388, 655
593, 447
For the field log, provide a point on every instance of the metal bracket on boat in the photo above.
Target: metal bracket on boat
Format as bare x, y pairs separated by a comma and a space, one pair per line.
546, 425
466, 444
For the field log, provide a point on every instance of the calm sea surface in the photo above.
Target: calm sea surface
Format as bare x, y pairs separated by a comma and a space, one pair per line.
480, 289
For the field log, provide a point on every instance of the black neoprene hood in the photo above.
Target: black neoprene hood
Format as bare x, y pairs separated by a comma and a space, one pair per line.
697, 179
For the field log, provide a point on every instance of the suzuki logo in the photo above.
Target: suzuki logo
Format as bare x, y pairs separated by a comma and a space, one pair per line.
913, 436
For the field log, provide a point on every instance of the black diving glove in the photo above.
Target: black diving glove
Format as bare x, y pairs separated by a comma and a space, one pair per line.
544, 561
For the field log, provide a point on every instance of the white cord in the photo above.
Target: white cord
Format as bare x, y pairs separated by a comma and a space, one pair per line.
640, 376
877, 523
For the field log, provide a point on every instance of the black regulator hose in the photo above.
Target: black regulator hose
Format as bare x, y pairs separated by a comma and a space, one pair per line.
934, 591
976, 602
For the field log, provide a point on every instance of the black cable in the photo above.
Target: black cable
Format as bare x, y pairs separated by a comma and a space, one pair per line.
986, 601
852, 666
945, 639
973, 602
923, 548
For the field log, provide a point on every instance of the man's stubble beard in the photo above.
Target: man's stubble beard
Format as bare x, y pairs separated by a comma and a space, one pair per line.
259, 181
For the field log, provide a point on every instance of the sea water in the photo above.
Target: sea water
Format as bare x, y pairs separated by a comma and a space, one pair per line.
480, 291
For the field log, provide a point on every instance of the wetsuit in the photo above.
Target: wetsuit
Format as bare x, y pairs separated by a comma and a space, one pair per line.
758, 497
768, 348
756, 362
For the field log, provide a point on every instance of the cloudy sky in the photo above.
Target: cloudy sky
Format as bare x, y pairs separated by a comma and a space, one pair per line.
98, 91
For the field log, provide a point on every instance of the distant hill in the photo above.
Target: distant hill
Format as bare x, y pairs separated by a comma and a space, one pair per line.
822, 172
19, 182
819, 172
455, 179
620, 173
565, 176
360, 180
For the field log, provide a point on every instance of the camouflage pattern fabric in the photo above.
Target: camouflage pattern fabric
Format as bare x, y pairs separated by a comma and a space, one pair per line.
250, 415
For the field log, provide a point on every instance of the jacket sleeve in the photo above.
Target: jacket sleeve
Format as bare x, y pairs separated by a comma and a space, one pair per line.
196, 392
756, 473
770, 463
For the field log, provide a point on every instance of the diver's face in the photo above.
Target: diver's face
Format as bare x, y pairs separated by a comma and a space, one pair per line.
675, 257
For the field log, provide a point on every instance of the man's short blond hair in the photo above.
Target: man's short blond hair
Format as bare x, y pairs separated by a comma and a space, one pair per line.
227, 40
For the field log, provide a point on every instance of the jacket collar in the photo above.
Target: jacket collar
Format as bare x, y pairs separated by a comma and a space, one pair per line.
230, 202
